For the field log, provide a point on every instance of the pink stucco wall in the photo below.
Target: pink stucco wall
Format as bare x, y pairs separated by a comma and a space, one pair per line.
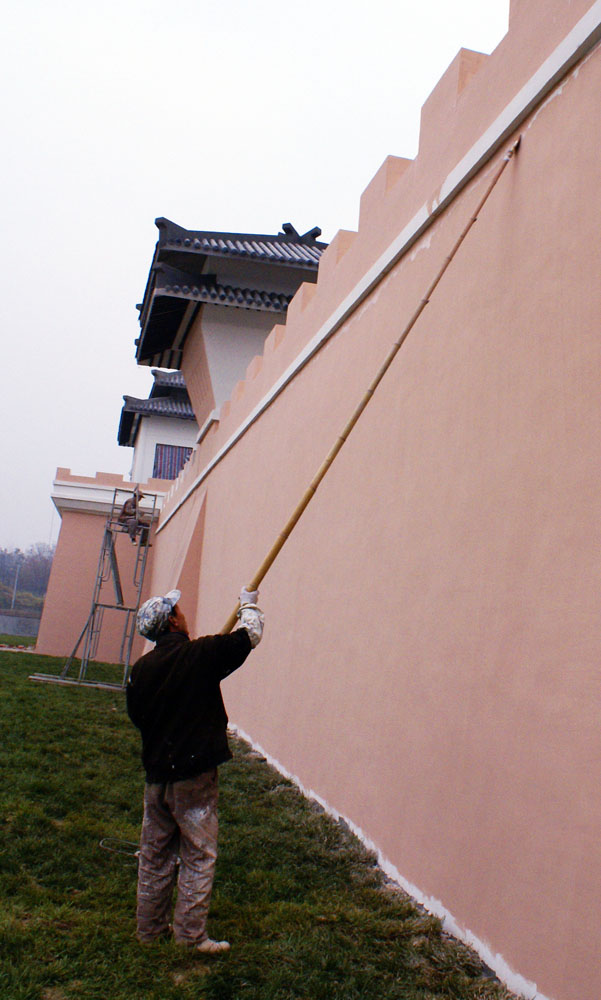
430, 665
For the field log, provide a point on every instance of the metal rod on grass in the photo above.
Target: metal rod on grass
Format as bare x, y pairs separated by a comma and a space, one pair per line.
311, 490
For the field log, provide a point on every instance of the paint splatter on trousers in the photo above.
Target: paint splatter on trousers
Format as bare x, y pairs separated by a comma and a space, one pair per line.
180, 821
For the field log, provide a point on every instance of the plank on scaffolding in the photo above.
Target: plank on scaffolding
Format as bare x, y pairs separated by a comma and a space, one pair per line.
66, 682
114, 567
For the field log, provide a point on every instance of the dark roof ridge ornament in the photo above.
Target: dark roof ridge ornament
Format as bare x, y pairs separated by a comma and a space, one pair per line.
169, 230
309, 237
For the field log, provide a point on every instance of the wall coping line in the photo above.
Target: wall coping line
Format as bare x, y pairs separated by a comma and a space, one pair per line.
581, 39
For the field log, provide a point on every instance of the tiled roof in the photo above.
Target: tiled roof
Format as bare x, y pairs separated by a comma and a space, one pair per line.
175, 403
171, 379
277, 251
193, 267
227, 295
288, 247
162, 406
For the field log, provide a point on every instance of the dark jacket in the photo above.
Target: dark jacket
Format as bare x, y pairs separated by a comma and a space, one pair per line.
174, 698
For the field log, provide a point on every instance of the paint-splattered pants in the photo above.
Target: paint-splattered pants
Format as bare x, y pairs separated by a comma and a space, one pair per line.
180, 819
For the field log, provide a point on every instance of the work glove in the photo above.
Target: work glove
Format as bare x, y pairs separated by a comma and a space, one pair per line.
253, 620
251, 617
248, 596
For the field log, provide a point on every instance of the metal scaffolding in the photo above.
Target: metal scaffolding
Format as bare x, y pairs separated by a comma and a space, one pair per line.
126, 516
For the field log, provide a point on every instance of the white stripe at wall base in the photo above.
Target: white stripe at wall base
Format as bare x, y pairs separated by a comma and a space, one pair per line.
512, 980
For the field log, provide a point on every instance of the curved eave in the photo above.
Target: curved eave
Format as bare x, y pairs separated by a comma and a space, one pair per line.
193, 257
163, 334
174, 307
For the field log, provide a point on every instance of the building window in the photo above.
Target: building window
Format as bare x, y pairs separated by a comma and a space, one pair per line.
169, 460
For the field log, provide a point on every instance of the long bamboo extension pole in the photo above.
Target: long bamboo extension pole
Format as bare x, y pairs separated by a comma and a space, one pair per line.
312, 488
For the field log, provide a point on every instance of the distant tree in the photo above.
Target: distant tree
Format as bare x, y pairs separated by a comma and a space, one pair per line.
30, 569
35, 568
29, 603
9, 560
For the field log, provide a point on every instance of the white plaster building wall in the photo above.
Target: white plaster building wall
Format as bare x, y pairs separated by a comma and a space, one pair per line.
252, 275
232, 338
159, 430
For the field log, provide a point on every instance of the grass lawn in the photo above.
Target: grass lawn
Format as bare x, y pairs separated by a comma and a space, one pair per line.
309, 915
16, 640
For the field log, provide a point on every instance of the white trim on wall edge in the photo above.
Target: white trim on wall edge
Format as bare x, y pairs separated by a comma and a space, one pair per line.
580, 40
96, 498
213, 418
511, 979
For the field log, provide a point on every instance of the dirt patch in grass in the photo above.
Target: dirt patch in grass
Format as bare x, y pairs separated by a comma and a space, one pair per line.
181, 977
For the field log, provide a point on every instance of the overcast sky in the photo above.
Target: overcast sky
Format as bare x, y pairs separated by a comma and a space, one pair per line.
233, 115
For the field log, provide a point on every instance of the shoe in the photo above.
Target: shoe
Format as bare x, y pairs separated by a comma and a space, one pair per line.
210, 947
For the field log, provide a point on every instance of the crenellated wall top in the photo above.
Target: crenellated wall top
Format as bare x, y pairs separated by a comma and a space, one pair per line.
475, 110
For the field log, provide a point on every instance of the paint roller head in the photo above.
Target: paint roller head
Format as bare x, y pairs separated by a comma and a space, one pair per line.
513, 149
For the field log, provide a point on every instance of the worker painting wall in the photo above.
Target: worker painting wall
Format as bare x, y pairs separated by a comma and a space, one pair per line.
431, 654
